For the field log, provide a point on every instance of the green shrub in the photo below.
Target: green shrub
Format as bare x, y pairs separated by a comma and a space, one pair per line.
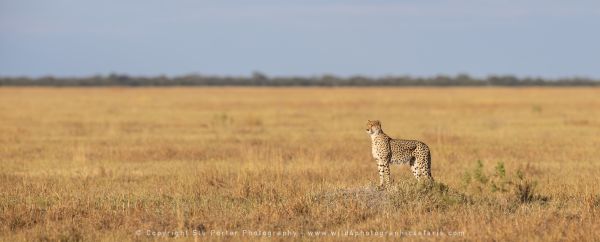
518, 187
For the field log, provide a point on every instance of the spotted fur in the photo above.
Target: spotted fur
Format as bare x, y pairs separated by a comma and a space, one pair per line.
386, 150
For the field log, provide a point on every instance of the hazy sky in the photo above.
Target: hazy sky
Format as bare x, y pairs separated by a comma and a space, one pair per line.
548, 38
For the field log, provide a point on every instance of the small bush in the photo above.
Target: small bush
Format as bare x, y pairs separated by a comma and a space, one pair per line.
523, 189
479, 174
499, 181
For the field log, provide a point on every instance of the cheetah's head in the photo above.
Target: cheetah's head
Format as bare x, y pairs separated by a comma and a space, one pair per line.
373, 127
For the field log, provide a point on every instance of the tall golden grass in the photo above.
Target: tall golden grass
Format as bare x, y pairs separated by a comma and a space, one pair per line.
517, 164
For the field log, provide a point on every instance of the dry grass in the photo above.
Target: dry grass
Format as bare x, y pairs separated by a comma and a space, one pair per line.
103, 163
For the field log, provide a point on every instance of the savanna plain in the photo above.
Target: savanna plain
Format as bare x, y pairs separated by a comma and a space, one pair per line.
510, 164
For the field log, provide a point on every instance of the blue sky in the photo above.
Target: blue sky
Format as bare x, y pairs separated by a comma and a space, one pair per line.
235, 37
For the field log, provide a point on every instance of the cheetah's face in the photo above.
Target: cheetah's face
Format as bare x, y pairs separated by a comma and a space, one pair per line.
373, 127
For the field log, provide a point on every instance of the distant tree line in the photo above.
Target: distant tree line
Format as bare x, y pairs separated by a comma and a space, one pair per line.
259, 79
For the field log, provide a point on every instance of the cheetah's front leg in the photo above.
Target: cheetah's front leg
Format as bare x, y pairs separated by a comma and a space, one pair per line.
384, 173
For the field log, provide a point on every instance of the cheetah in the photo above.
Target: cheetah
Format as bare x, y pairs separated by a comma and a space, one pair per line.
386, 150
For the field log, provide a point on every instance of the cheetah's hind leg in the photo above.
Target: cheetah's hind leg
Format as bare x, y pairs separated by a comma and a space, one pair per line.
422, 170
